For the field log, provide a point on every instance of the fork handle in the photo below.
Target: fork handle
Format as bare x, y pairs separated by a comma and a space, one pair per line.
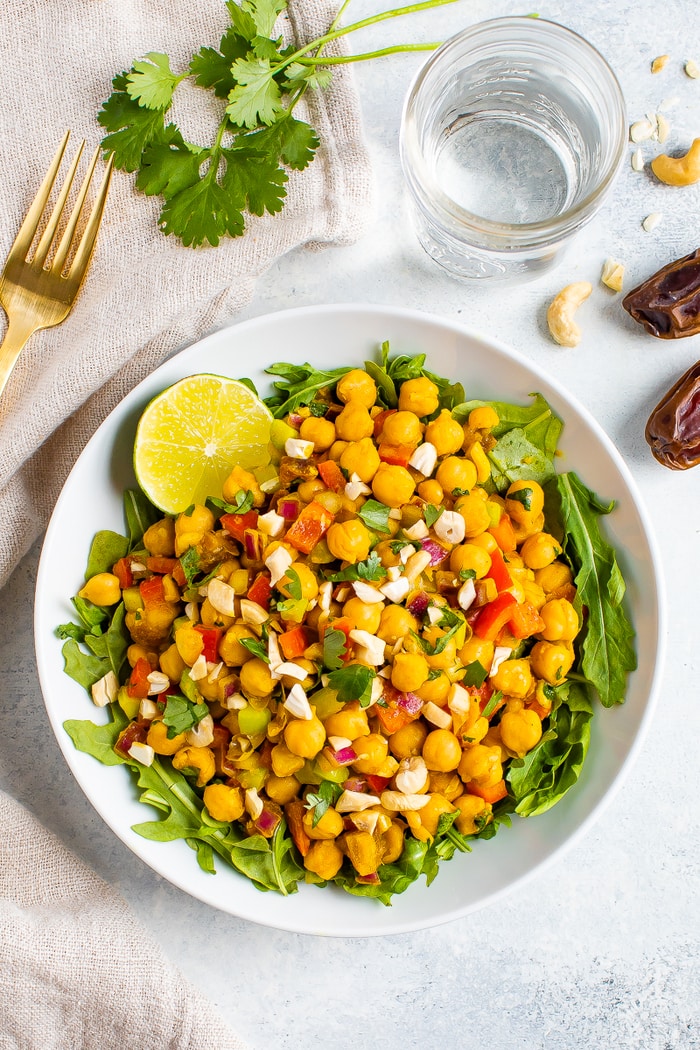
16, 336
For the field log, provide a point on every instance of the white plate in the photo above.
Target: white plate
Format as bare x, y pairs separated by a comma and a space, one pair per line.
330, 336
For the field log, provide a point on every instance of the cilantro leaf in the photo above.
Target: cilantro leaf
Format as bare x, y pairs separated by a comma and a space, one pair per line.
212, 69
334, 648
131, 127
321, 801
353, 682
152, 82
202, 212
256, 97
292, 140
370, 570
375, 515
181, 714
475, 674
431, 514
168, 168
294, 584
254, 178
256, 648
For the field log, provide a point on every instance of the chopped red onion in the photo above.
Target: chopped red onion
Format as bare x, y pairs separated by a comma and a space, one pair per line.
288, 509
436, 552
410, 703
267, 821
345, 756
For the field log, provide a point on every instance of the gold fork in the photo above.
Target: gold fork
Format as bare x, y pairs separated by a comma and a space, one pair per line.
40, 292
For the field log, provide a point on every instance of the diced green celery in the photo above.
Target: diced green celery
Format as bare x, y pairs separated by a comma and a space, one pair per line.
132, 599
129, 704
252, 720
326, 702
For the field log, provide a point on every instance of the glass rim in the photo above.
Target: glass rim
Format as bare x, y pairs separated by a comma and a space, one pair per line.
432, 198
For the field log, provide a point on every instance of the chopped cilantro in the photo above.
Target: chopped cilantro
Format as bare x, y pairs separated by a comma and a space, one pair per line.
334, 648
256, 648
375, 515
370, 570
431, 513
476, 674
181, 714
353, 683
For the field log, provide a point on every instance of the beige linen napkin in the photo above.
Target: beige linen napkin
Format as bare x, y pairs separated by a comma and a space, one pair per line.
77, 971
146, 295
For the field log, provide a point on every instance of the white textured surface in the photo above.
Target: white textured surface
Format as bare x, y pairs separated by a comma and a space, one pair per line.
603, 950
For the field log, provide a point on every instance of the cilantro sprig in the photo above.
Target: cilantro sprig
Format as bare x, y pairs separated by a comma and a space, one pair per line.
257, 81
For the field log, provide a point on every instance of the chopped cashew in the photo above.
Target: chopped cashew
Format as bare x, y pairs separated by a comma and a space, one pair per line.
651, 221
658, 64
642, 130
612, 275
678, 171
560, 315
692, 69
412, 775
637, 160
397, 802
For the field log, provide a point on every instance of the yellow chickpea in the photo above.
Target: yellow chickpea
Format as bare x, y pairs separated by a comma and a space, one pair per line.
189, 643
349, 540
324, 859
256, 679
540, 550
446, 659
320, 431
474, 814
190, 528
361, 458
524, 501
473, 510
392, 843
162, 744
409, 671
230, 649
435, 689
469, 556
396, 622
172, 664
364, 617
551, 661
199, 760
102, 589
481, 764
560, 621
305, 736
408, 741
445, 433
392, 485
554, 577
430, 815
477, 649
284, 762
357, 385
329, 826
486, 541
240, 480
420, 396
371, 751
513, 678
402, 428
520, 731
224, 802
307, 580
354, 422
336, 450
442, 750
456, 473
159, 538
483, 418
431, 491
351, 723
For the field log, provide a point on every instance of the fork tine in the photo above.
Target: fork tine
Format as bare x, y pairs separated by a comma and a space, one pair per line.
69, 232
29, 227
87, 242
49, 233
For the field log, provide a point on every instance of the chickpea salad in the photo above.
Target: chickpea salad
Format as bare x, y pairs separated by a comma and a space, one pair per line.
348, 666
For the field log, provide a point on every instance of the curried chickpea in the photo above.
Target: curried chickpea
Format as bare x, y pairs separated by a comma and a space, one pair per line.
190, 528
224, 802
349, 540
282, 789
445, 433
158, 739
520, 731
420, 396
402, 428
474, 814
364, 617
554, 577
470, 556
159, 538
361, 458
429, 815
357, 385
256, 679
409, 671
408, 741
442, 751
393, 486
230, 649
307, 581
351, 722
476, 648
324, 859
101, 589
354, 422
435, 689
483, 418
524, 501
540, 550
456, 473
513, 677
371, 751
305, 736
431, 491
560, 621
329, 826
551, 661
473, 510
320, 431
481, 764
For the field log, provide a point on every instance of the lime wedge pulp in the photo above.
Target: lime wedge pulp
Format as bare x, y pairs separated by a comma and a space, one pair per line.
191, 436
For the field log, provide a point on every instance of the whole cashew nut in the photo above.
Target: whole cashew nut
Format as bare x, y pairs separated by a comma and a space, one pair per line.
678, 171
560, 315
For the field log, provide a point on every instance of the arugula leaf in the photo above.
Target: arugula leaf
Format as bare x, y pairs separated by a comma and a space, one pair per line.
106, 548
475, 674
139, 514
334, 648
95, 740
607, 638
298, 385
327, 795
369, 570
375, 515
353, 682
88, 668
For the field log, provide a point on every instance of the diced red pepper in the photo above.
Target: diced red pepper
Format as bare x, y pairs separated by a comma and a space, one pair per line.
122, 570
219, 746
152, 592
504, 533
540, 711
525, 621
499, 572
332, 476
313, 522
376, 782
491, 794
392, 718
138, 684
396, 455
211, 636
293, 643
294, 812
380, 419
260, 590
170, 566
494, 616
236, 524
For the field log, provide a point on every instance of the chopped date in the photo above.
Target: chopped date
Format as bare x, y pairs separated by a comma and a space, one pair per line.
673, 428
668, 302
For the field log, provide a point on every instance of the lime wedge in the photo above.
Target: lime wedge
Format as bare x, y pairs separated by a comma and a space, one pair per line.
191, 436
